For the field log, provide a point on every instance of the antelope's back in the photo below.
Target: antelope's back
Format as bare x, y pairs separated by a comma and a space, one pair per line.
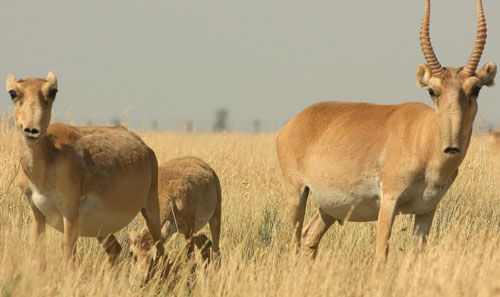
192, 185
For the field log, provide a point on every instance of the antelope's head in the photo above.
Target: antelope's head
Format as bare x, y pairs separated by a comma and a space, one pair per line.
454, 91
143, 251
32, 98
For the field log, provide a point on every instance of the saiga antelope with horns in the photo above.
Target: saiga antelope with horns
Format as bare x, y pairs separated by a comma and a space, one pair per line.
83, 181
366, 162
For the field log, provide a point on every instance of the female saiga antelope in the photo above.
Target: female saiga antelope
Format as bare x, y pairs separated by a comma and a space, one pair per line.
366, 162
190, 197
83, 181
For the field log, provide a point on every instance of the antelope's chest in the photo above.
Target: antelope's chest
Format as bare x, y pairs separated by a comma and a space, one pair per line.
434, 193
422, 198
49, 204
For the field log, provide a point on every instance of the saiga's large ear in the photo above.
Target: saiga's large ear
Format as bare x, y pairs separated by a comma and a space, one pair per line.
51, 78
424, 74
487, 74
11, 82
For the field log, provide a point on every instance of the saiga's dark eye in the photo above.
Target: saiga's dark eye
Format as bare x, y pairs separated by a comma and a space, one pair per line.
52, 93
431, 92
13, 94
475, 91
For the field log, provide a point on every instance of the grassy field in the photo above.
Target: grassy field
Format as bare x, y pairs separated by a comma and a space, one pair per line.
462, 257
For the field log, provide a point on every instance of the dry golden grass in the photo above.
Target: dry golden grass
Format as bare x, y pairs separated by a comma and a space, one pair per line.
462, 257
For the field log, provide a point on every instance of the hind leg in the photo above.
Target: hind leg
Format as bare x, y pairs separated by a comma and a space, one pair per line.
203, 244
151, 214
297, 209
151, 211
215, 228
315, 230
111, 247
189, 235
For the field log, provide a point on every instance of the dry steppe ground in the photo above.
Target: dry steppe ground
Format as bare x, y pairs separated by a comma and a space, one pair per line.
462, 257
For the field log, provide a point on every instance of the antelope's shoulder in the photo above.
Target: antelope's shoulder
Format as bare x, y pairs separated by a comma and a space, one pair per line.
63, 135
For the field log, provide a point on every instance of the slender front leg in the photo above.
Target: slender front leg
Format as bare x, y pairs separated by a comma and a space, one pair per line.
71, 230
39, 229
39, 226
39, 221
385, 220
421, 229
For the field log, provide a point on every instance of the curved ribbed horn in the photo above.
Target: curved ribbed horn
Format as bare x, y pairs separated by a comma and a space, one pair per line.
425, 43
477, 51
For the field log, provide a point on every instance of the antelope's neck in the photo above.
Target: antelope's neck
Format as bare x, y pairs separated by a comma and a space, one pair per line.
34, 159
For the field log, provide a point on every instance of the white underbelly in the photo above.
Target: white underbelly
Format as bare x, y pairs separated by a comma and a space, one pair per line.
98, 220
361, 203
95, 220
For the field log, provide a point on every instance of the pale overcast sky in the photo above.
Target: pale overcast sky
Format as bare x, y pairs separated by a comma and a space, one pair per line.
261, 59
